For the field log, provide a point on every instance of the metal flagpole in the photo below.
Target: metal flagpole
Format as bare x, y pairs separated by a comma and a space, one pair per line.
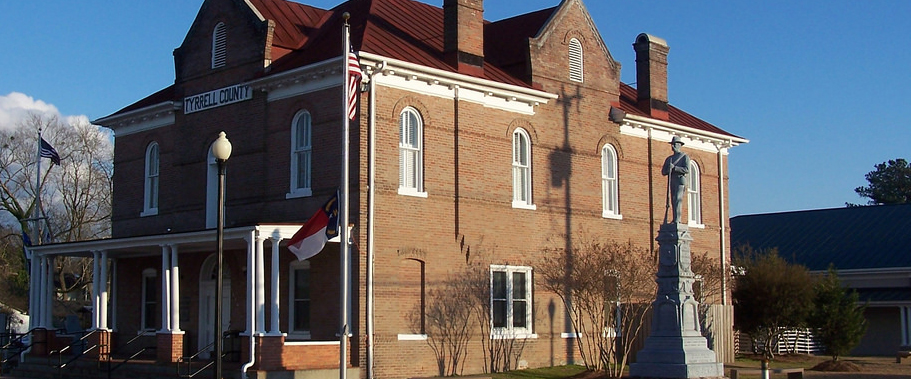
36, 213
344, 209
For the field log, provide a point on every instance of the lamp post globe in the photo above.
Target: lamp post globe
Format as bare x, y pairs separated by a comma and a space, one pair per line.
221, 148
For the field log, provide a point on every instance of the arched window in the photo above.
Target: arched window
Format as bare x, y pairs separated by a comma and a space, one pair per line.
610, 190
219, 45
411, 153
694, 195
150, 198
521, 170
575, 60
301, 154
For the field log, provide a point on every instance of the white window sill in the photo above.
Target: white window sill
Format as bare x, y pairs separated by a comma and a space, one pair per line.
695, 225
412, 337
611, 215
509, 335
149, 212
298, 336
303, 192
412, 192
569, 335
523, 205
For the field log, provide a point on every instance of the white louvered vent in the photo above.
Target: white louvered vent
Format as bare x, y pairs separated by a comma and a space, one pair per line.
219, 42
575, 60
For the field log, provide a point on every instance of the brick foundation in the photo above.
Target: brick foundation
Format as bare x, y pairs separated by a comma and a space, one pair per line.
169, 347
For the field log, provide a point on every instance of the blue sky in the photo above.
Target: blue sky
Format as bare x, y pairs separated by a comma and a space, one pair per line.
819, 88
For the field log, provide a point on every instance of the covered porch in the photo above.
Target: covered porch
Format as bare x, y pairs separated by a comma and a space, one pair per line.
137, 295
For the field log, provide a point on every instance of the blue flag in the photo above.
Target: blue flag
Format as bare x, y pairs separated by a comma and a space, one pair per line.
48, 151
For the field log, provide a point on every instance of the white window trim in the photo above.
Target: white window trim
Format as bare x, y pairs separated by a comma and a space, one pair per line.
296, 334
510, 332
694, 193
219, 45
147, 273
528, 202
576, 62
147, 181
412, 337
608, 151
411, 192
418, 189
295, 191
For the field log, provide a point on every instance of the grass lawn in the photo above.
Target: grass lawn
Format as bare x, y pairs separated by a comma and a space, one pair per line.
871, 367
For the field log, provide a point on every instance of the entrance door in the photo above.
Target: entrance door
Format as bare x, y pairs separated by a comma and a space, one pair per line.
207, 280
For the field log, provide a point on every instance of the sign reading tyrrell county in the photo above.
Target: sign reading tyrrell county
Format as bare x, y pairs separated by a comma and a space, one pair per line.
217, 98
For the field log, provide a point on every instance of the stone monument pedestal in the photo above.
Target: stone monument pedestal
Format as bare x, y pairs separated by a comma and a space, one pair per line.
675, 348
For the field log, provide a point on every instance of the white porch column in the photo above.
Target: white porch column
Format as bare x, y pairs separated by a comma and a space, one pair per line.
165, 290
103, 299
251, 275
49, 291
33, 291
906, 325
273, 329
260, 287
175, 291
114, 294
96, 289
38, 283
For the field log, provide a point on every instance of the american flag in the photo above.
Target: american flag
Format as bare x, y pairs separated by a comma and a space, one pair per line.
354, 80
48, 151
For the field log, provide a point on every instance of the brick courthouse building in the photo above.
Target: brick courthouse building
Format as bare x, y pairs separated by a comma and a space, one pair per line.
492, 140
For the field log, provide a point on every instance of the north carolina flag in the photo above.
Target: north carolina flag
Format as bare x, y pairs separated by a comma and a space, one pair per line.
323, 225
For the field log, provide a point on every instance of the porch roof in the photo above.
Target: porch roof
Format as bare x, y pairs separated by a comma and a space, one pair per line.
203, 240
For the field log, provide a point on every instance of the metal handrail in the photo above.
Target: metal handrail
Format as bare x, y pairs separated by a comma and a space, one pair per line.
17, 345
60, 364
189, 360
144, 333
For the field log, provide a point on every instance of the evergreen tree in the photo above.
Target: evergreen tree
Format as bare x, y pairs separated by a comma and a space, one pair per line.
837, 321
890, 183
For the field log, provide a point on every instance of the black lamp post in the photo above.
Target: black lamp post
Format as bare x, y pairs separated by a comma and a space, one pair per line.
221, 150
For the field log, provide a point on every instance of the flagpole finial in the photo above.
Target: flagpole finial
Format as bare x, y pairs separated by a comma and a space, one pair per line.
346, 16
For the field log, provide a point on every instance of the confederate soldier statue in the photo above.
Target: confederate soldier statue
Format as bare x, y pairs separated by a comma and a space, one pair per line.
675, 168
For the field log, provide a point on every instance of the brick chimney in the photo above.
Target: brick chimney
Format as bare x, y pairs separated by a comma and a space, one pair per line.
463, 35
651, 75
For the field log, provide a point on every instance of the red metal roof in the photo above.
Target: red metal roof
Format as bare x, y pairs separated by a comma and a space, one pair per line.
410, 31
628, 104
291, 20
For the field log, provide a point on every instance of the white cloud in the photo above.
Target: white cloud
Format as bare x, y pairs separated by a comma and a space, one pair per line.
15, 108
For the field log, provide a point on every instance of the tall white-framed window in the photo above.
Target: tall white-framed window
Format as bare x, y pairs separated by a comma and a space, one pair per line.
511, 301
411, 153
575, 60
301, 154
521, 170
149, 299
610, 187
299, 297
150, 197
694, 196
219, 45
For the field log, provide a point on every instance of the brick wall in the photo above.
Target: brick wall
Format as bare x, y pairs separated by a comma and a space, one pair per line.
466, 217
